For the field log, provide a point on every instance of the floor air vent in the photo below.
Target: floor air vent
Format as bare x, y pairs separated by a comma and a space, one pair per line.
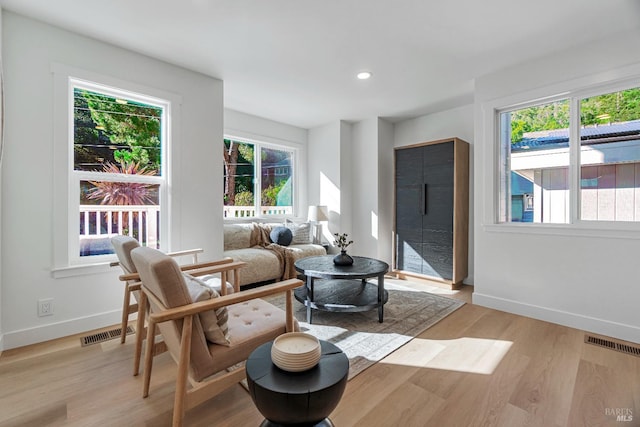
613, 345
104, 336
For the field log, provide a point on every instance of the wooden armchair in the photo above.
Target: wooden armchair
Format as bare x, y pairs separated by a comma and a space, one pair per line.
123, 245
241, 322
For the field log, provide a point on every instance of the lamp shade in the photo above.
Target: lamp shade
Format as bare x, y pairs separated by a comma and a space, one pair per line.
318, 213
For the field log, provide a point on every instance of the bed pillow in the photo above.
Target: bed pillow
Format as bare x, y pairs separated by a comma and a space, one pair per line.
281, 235
214, 322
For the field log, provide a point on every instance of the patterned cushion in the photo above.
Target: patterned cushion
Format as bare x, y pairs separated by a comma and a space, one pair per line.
301, 232
214, 322
281, 235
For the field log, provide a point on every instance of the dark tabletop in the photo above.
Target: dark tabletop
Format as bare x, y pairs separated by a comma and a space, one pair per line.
331, 369
323, 267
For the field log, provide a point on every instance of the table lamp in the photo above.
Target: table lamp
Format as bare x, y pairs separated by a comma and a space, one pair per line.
317, 214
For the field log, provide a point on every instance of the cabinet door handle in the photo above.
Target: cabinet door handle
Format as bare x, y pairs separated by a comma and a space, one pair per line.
424, 199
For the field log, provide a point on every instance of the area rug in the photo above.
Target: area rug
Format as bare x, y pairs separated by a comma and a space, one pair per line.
362, 338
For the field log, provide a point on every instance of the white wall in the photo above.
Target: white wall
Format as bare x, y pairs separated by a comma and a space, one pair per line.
385, 190
364, 175
327, 183
249, 126
371, 170
346, 158
457, 122
579, 276
83, 302
351, 171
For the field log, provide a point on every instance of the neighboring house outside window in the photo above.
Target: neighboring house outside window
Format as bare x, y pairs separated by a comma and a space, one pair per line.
258, 179
118, 178
538, 157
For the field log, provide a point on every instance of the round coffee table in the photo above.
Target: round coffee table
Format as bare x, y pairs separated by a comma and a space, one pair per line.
297, 398
342, 288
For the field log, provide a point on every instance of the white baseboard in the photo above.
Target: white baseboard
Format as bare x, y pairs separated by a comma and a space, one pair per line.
591, 324
65, 328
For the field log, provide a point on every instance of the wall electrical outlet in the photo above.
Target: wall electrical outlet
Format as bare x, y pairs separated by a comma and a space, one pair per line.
45, 307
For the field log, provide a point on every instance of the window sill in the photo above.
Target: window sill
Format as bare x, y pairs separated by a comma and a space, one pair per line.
82, 270
604, 231
249, 219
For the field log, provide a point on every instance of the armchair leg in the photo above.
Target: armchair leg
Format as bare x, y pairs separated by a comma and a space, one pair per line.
142, 306
125, 314
148, 357
183, 372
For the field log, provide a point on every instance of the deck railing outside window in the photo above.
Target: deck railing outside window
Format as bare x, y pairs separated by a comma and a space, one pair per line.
105, 221
250, 211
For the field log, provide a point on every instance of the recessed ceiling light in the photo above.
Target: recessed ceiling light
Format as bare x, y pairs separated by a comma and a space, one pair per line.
363, 75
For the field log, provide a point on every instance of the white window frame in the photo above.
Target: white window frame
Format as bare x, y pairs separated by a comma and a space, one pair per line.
500, 149
257, 176
574, 90
67, 260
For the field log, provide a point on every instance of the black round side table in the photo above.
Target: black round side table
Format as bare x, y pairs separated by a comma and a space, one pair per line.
297, 398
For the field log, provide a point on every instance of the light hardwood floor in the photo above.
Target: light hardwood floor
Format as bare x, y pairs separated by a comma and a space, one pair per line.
477, 367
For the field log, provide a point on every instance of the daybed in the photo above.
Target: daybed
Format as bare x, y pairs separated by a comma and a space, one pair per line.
266, 261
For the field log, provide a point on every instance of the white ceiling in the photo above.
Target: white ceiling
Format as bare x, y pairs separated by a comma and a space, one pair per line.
295, 61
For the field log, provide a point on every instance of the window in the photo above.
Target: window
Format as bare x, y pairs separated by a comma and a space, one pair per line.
535, 162
610, 156
118, 174
258, 179
539, 156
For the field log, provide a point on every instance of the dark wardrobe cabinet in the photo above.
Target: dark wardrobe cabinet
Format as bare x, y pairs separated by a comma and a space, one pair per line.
432, 211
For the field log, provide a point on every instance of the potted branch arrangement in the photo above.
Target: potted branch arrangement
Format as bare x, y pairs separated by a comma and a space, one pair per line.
341, 241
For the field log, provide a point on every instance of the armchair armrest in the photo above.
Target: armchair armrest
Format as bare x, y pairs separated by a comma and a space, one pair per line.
193, 252
222, 266
200, 269
176, 254
228, 266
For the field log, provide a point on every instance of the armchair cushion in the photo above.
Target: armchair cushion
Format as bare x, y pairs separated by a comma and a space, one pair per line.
251, 323
214, 322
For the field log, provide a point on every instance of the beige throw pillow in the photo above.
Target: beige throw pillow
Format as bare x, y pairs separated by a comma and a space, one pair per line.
214, 322
301, 232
